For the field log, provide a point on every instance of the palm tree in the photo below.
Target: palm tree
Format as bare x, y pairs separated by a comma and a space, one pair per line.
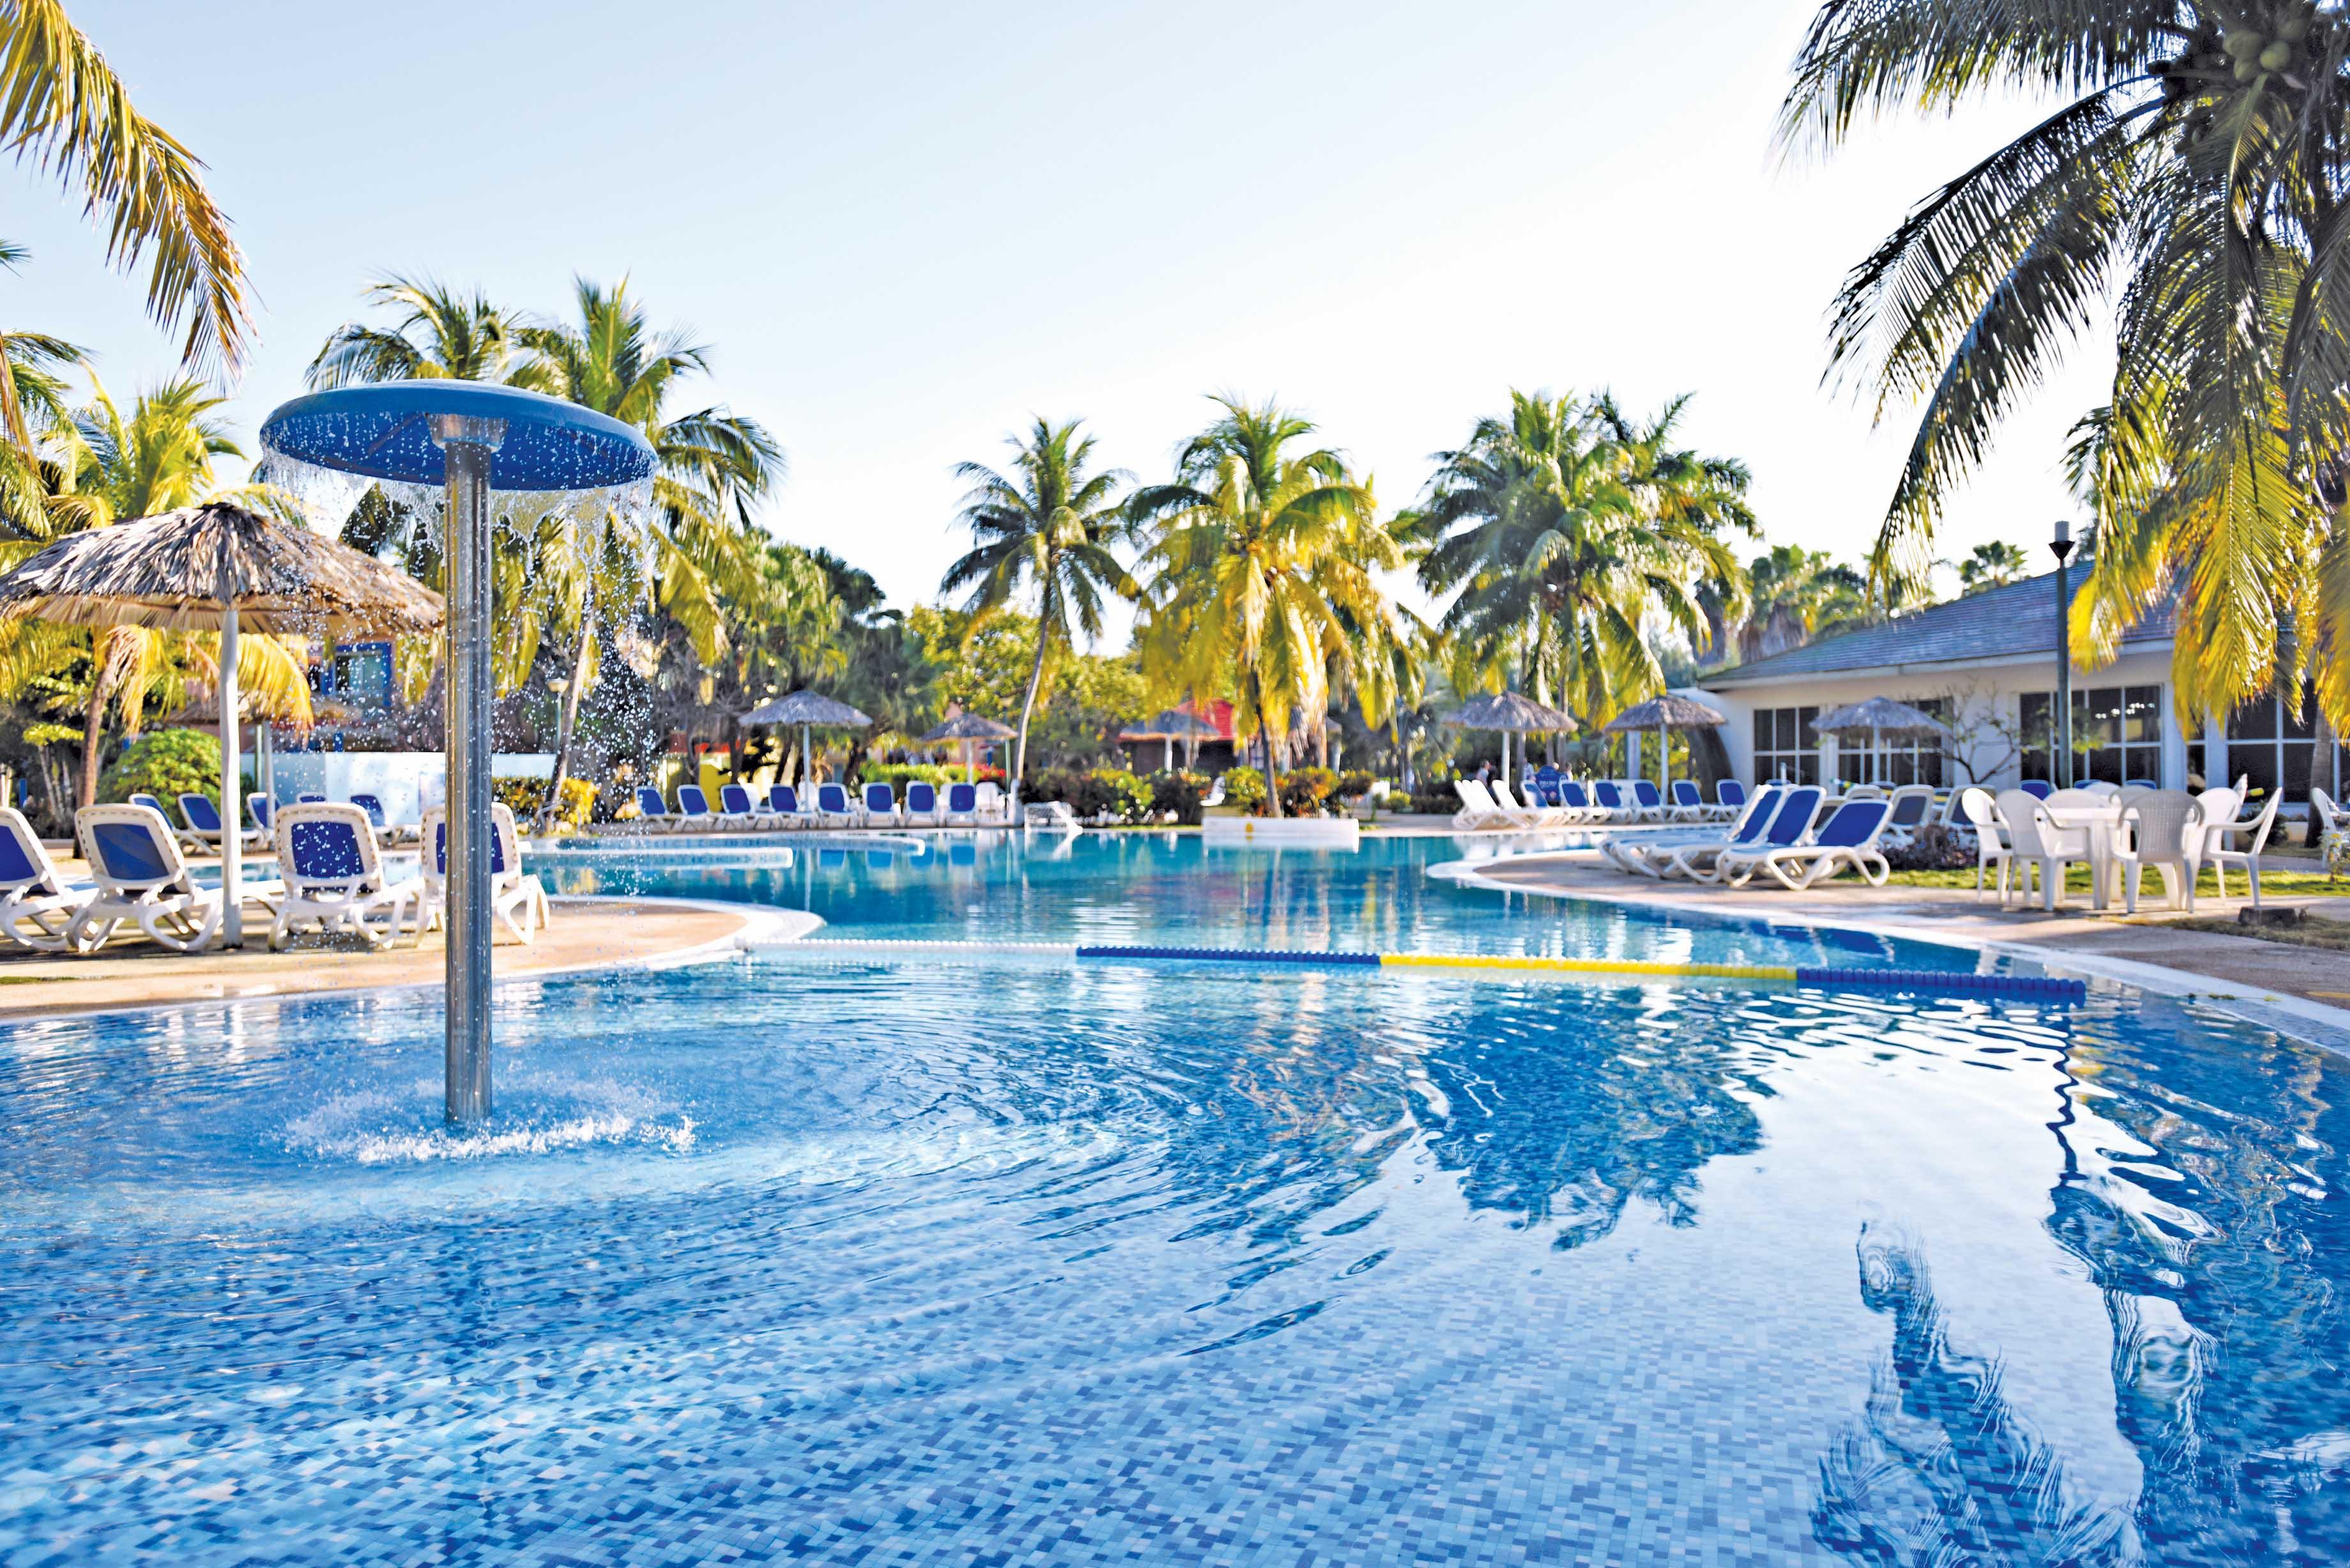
703, 551
1263, 569
1049, 528
63, 110
1561, 544
2197, 172
439, 333
158, 457
1796, 596
1994, 564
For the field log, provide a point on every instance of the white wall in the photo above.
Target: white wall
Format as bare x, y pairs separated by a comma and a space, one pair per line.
1977, 694
406, 781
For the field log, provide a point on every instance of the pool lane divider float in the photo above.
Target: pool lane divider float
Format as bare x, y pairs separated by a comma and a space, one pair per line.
2038, 988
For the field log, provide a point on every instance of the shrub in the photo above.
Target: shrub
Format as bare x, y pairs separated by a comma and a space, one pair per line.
1435, 797
1303, 790
1114, 792
166, 764
524, 797
1354, 784
1179, 793
898, 774
1935, 848
1244, 788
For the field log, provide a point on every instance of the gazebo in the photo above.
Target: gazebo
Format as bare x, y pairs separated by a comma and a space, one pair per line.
1511, 712
219, 567
1169, 725
808, 709
1879, 718
966, 728
1664, 715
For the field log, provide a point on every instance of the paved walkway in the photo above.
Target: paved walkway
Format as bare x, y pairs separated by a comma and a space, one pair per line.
2312, 974
584, 934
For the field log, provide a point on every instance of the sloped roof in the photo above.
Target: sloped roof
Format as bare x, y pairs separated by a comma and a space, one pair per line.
2018, 621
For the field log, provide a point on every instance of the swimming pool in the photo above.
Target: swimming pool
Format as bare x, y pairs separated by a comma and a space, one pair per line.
899, 1262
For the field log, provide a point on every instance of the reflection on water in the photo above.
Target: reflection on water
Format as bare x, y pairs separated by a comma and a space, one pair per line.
877, 1261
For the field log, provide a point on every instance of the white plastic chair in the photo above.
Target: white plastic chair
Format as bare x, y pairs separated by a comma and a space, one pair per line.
2221, 856
2164, 833
2332, 831
142, 876
1991, 846
2039, 846
994, 805
2218, 808
335, 878
36, 906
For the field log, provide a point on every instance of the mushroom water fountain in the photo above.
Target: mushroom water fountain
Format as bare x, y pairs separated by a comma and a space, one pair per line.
446, 448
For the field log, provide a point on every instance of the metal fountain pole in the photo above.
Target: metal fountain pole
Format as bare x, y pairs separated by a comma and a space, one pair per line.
232, 782
467, 446
2061, 546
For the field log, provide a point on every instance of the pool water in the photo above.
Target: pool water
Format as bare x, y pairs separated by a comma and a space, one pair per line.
902, 1262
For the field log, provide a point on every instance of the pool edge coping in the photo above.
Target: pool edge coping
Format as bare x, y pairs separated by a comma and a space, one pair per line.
763, 922
2268, 1008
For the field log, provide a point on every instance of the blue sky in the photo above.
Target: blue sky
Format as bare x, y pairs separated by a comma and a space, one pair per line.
904, 228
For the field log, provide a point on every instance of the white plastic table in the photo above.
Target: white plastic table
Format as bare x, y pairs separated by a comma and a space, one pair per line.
2103, 826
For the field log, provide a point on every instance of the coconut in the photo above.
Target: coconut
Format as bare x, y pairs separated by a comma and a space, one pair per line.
2294, 28
2243, 44
2276, 57
2247, 69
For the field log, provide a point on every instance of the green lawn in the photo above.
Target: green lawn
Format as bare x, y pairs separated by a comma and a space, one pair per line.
2275, 882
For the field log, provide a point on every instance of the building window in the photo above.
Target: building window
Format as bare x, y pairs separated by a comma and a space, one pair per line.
1786, 746
2270, 749
1894, 761
359, 675
2116, 734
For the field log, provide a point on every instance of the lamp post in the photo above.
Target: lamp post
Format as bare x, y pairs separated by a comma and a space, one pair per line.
2061, 546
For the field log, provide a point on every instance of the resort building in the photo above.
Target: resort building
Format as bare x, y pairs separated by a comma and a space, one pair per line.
1985, 665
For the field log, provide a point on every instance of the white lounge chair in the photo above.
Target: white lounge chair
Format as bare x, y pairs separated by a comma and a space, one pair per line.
1737, 864
693, 809
1666, 855
1051, 817
654, 812
203, 820
1695, 861
36, 906
517, 901
735, 808
2221, 856
881, 805
832, 807
335, 878
1527, 813
962, 805
142, 876
923, 804
1478, 809
1846, 841
784, 808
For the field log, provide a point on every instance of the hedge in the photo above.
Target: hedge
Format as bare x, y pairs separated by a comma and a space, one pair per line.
167, 764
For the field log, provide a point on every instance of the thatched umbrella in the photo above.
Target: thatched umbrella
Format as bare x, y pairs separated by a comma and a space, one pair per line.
218, 566
806, 709
1664, 715
1880, 717
1169, 725
1511, 712
966, 728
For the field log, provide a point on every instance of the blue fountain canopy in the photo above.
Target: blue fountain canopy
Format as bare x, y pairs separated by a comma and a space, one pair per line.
385, 432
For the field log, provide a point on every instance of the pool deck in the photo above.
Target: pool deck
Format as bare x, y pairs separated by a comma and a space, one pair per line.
585, 933
2111, 944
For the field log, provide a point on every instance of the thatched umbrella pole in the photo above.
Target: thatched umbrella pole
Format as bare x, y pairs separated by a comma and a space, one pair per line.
232, 807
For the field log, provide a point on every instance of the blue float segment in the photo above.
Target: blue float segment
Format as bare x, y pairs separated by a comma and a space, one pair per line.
2035, 985
384, 431
1235, 955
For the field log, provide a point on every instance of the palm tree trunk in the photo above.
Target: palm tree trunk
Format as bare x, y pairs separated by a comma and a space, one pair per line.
567, 726
1027, 706
1265, 738
93, 733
